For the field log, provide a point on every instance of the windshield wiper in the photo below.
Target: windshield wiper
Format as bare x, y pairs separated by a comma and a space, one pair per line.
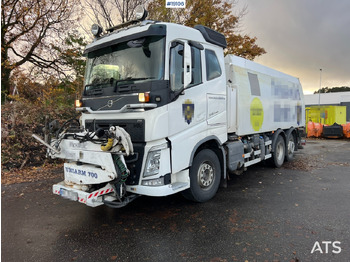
137, 79
95, 86
129, 80
99, 82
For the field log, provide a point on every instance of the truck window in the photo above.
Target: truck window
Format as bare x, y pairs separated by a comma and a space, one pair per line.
213, 66
176, 67
196, 66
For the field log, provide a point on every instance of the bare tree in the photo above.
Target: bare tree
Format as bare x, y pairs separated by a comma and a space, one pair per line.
109, 13
28, 30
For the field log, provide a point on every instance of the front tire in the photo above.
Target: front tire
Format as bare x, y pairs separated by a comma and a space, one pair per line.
205, 174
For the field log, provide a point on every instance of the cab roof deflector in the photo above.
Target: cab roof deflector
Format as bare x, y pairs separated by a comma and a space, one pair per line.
212, 36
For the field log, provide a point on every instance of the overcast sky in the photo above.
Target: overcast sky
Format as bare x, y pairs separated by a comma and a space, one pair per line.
301, 37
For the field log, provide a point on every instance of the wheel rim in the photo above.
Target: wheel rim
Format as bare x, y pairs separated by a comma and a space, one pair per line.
205, 175
280, 152
291, 146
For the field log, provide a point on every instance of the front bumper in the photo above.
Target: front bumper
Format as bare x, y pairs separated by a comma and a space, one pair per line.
179, 182
92, 199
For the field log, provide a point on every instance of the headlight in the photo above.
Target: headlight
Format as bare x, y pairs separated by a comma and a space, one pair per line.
153, 160
152, 163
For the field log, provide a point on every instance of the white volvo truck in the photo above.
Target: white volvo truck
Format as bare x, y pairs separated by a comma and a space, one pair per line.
163, 111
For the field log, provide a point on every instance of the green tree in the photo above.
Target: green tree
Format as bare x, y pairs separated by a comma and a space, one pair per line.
333, 89
215, 14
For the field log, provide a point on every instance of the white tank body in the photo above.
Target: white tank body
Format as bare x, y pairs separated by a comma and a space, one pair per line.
261, 99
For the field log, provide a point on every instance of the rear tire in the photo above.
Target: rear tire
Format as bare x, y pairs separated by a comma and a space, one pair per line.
290, 147
279, 152
205, 174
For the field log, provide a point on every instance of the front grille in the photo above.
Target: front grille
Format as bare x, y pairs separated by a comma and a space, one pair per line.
134, 163
136, 130
134, 127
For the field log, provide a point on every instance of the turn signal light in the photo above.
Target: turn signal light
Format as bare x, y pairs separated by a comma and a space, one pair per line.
78, 103
144, 97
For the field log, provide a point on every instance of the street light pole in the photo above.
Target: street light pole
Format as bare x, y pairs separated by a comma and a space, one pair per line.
319, 91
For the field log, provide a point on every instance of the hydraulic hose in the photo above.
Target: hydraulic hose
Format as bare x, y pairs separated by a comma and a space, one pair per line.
109, 145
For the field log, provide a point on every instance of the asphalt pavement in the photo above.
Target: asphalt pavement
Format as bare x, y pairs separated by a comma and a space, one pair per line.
300, 212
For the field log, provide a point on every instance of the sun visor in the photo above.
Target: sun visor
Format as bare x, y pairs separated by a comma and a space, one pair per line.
153, 30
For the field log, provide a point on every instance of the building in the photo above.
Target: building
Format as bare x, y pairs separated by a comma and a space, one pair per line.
330, 99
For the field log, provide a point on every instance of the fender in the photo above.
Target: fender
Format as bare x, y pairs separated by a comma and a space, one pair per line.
274, 138
222, 157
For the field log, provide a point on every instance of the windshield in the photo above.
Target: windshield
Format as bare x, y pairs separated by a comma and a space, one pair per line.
136, 60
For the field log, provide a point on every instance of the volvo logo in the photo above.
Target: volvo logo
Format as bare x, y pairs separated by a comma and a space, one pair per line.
110, 103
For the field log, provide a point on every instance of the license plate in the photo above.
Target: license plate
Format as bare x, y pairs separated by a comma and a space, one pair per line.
71, 195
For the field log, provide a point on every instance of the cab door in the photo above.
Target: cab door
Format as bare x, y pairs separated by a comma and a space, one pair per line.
187, 111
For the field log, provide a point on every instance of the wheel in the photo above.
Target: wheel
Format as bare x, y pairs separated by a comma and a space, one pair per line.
205, 175
279, 152
290, 147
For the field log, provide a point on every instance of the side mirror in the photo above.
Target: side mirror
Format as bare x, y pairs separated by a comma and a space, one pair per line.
187, 65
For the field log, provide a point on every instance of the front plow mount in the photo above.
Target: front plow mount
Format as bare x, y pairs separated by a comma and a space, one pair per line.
95, 171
